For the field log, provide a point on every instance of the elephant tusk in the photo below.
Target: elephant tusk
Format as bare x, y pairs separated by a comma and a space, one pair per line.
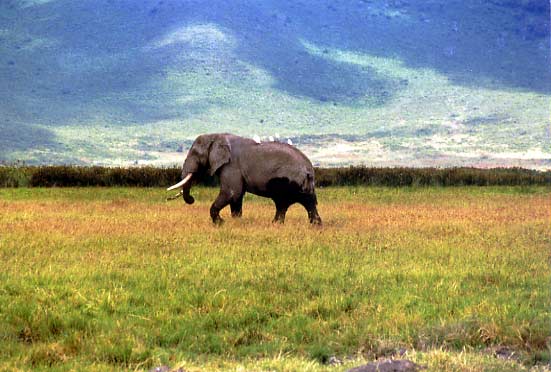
175, 196
181, 183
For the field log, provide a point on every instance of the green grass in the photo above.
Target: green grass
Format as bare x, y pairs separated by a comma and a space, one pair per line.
116, 278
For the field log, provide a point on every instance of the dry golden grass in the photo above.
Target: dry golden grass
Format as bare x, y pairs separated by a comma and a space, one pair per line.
121, 279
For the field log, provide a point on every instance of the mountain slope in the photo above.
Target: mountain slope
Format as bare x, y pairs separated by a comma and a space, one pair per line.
372, 82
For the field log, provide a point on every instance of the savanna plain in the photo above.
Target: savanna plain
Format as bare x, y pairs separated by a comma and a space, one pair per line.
105, 279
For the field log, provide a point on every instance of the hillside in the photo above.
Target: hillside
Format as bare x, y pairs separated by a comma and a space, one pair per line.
380, 83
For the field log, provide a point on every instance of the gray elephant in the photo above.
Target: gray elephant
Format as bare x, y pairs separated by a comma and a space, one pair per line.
271, 169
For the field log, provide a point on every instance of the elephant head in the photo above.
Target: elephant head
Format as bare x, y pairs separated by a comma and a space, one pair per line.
208, 152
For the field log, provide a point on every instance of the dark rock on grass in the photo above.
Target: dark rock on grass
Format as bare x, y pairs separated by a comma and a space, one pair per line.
504, 352
165, 369
160, 369
389, 365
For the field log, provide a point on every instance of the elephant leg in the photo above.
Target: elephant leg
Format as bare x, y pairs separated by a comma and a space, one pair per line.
281, 210
237, 207
309, 202
231, 192
222, 200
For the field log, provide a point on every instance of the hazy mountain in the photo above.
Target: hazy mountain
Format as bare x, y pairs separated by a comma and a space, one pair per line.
398, 82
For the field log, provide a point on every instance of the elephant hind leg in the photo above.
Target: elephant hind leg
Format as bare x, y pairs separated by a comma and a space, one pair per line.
314, 216
281, 210
309, 202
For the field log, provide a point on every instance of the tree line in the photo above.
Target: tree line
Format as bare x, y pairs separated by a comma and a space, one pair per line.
71, 176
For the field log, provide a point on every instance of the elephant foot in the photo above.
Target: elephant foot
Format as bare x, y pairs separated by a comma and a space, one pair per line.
279, 218
218, 221
236, 214
215, 215
314, 217
281, 211
316, 221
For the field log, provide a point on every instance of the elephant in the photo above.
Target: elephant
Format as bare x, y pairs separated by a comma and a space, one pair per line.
270, 169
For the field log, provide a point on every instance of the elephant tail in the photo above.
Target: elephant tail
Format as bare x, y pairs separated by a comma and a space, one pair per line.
308, 185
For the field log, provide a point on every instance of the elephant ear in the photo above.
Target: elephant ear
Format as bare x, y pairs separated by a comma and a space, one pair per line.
220, 154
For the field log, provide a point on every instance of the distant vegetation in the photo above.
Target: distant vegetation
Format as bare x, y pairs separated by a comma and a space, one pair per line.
67, 176
430, 176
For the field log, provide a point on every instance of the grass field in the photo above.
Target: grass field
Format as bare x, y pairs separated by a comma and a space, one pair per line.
118, 279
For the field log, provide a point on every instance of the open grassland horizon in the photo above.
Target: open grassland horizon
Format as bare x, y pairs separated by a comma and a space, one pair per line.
118, 279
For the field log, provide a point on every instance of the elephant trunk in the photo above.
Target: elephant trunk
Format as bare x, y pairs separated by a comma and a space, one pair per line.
185, 184
186, 195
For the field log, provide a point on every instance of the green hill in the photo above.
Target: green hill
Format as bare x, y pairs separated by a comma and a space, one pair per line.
395, 82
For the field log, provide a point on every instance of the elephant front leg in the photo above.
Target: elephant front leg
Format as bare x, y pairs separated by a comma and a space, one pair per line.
221, 201
237, 207
281, 211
